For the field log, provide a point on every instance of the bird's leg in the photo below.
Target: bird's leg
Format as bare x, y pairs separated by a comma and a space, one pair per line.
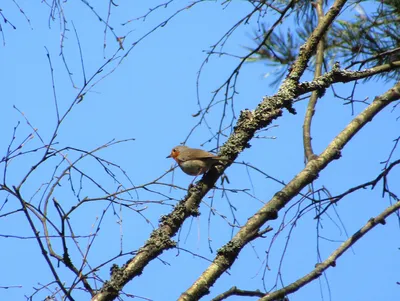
201, 171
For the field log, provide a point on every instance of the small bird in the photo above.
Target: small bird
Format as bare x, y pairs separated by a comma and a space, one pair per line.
194, 161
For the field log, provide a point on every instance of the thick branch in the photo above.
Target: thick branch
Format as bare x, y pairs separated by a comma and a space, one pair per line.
249, 122
227, 254
308, 49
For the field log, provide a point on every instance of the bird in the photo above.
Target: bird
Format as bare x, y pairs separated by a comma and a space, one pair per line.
194, 161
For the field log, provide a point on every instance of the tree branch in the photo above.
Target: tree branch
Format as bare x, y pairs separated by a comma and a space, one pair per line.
331, 260
308, 150
343, 76
234, 291
227, 255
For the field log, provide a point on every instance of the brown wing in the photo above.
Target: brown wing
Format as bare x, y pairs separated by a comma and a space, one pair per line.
195, 154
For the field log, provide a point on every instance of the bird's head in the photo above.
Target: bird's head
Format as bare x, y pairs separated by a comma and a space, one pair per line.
176, 151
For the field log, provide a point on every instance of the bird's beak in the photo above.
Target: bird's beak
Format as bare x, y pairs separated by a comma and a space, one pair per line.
169, 156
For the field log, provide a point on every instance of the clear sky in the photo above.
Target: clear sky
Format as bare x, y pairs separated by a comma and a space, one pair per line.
151, 97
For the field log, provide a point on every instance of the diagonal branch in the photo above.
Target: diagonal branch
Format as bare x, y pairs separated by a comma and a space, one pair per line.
248, 123
41, 245
331, 260
227, 255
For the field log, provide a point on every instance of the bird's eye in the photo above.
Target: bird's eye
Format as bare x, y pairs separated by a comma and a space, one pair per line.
174, 150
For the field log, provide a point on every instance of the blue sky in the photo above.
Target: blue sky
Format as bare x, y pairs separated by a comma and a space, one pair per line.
151, 97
